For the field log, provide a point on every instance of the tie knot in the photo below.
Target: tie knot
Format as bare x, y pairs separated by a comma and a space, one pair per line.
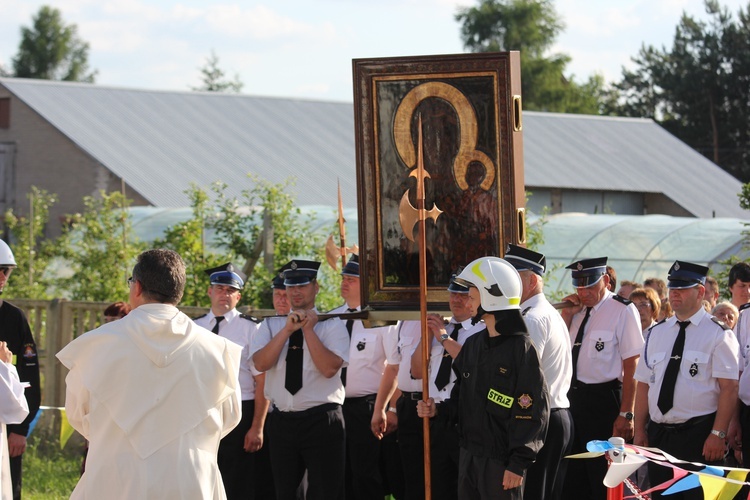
683, 324
351, 309
219, 319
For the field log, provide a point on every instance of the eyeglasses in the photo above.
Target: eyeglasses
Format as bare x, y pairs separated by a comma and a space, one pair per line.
642, 305
131, 280
6, 270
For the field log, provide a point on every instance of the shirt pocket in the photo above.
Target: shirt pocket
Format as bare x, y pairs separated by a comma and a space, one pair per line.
601, 344
365, 347
695, 365
500, 398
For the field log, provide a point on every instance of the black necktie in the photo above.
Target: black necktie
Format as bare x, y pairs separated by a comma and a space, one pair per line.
215, 329
350, 322
349, 326
293, 380
444, 372
666, 393
577, 346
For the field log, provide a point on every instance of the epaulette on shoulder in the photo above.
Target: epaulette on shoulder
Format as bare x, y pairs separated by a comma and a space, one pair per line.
622, 300
720, 323
201, 316
656, 324
250, 318
744, 306
523, 313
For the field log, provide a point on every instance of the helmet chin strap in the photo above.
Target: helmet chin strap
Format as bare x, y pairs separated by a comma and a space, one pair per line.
478, 317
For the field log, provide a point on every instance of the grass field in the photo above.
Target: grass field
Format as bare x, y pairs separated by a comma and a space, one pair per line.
48, 475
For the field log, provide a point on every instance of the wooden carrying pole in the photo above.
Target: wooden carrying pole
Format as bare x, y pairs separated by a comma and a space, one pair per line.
423, 310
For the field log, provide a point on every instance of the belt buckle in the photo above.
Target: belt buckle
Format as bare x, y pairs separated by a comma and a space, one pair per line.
415, 396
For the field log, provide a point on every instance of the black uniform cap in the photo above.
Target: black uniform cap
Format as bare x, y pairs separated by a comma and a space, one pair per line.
524, 259
455, 286
588, 272
278, 280
301, 272
352, 267
686, 275
227, 274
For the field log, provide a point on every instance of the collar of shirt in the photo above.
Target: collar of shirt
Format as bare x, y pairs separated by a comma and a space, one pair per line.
607, 295
533, 301
228, 316
694, 319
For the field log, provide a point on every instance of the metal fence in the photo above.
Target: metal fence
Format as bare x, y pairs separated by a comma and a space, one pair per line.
56, 322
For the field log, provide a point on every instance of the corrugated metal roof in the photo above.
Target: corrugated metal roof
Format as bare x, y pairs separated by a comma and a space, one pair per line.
160, 142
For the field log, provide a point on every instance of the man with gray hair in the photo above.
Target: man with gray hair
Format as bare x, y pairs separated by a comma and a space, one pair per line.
153, 393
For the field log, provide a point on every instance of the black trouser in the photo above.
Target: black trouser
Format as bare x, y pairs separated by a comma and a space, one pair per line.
264, 489
482, 478
363, 480
545, 477
312, 439
411, 444
16, 475
684, 441
444, 457
237, 466
390, 466
594, 408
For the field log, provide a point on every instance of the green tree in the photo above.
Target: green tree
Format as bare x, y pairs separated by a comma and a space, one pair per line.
267, 210
99, 249
52, 50
531, 27
32, 252
215, 80
699, 88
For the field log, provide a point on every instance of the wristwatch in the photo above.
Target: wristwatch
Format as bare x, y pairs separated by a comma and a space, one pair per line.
444, 337
628, 415
720, 434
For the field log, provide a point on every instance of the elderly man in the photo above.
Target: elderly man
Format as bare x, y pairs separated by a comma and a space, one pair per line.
367, 457
546, 476
153, 393
237, 452
687, 380
302, 358
605, 332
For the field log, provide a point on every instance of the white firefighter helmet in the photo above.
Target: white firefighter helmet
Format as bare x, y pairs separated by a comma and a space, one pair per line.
498, 282
6, 256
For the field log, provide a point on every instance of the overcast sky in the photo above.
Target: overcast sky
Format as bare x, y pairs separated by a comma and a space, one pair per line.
304, 48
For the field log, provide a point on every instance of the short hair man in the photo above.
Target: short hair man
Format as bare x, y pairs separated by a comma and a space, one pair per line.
687, 380
302, 358
237, 451
546, 476
605, 332
444, 349
365, 453
499, 401
16, 332
712, 291
278, 290
153, 393
739, 284
626, 288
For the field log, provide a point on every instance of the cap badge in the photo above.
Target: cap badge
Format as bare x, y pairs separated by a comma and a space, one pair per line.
676, 266
579, 266
293, 266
